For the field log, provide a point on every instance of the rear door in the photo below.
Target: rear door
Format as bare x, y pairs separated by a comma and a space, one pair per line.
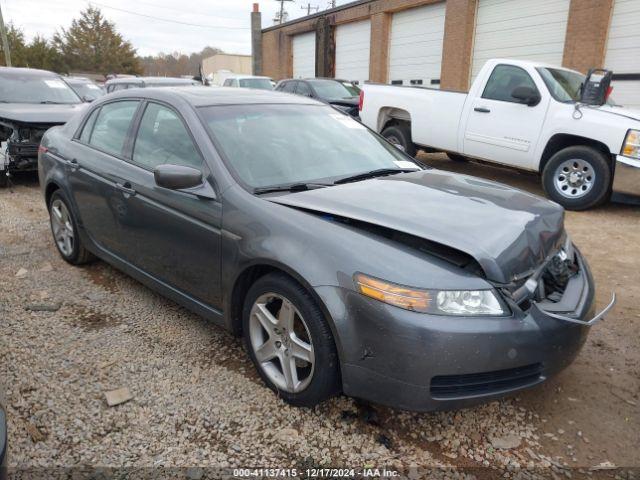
174, 236
94, 168
498, 127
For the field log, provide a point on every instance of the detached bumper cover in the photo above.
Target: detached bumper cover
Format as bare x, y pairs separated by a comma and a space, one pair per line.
425, 362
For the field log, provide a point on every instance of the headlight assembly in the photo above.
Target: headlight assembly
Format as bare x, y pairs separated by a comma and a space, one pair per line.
631, 145
435, 302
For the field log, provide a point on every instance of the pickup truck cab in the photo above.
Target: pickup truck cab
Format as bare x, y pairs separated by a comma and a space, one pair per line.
522, 114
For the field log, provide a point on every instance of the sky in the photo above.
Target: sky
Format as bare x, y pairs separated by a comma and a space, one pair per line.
218, 23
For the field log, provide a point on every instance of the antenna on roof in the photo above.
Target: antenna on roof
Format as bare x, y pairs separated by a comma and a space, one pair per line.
310, 7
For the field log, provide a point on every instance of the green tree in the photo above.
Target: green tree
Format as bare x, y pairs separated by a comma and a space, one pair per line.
41, 54
15, 38
92, 44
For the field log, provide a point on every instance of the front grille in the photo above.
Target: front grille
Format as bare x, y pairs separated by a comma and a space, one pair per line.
473, 384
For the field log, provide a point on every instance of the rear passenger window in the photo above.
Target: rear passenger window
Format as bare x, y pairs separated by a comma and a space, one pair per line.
503, 80
111, 126
88, 126
163, 139
289, 87
304, 89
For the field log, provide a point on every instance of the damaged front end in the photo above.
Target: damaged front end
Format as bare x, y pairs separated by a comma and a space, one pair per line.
558, 288
19, 146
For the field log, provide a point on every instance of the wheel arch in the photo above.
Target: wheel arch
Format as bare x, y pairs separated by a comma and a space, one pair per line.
390, 116
560, 141
248, 276
49, 190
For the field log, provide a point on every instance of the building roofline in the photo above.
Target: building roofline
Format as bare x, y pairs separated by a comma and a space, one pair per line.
317, 15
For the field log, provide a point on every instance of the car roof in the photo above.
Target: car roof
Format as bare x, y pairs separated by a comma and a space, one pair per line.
21, 72
242, 77
171, 80
207, 96
78, 79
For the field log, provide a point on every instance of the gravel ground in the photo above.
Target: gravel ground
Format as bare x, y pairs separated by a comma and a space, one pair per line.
198, 402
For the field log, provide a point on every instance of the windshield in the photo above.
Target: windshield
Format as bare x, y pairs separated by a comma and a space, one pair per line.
86, 90
259, 83
331, 89
564, 85
288, 144
29, 88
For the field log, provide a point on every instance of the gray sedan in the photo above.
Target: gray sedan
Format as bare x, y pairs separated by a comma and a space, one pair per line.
346, 266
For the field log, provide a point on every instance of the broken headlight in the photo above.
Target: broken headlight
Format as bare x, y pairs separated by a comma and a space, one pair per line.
432, 301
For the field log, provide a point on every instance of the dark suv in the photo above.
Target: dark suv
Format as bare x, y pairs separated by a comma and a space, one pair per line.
342, 94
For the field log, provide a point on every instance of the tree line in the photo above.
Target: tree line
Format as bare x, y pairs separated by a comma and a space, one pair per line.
92, 44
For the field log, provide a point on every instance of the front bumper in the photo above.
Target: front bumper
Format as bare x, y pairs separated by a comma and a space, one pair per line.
424, 362
626, 179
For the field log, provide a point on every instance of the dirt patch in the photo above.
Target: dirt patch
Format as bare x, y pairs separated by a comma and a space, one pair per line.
90, 319
102, 275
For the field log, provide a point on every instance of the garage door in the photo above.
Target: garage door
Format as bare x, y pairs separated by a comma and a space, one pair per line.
304, 55
622, 54
352, 51
520, 29
415, 47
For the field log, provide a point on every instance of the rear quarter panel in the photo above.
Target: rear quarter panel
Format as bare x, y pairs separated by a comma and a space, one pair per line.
434, 114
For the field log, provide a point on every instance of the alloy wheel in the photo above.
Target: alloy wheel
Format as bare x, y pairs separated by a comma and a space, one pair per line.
281, 342
62, 227
574, 178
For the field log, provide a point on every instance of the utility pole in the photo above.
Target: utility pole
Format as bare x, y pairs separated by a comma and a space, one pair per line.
332, 3
309, 7
281, 15
5, 43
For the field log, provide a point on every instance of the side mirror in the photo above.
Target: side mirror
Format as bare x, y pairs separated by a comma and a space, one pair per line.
177, 177
527, 95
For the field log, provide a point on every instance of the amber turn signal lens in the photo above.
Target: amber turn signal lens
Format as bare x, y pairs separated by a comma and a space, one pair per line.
393, 294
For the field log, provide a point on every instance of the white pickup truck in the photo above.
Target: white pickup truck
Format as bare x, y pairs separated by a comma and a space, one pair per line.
523, 114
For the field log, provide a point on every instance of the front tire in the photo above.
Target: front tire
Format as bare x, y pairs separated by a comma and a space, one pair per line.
578, 178
289, 341
65, 231
400, 134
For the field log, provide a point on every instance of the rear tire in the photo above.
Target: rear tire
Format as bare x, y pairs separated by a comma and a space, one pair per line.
400, 134
64, 228
297, 335
578, 178
4, 179
456, 157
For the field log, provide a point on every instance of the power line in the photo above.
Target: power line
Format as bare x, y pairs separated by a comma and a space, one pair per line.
182, 10
91, 2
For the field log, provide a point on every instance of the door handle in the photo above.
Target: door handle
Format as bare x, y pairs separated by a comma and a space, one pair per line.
482, 109
73, 164
126, 189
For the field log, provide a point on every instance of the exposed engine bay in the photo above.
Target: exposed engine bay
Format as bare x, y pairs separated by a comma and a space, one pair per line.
19, 145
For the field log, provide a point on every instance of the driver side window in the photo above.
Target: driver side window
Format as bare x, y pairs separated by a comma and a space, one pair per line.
163, 139
503, 80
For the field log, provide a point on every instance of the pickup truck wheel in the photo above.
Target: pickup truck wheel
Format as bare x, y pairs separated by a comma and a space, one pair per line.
577, 178
456, 157
400, 134
65, 231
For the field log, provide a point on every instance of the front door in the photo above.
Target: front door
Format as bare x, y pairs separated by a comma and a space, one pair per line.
501, 129
172, 235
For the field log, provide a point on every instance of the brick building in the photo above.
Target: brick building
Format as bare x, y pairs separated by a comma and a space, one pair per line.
438, 43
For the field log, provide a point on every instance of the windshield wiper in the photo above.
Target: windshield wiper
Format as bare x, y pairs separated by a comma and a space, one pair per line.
51, 102
295, 187
375, 173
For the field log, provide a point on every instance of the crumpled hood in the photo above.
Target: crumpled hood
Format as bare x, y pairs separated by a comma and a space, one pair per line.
507, 231
39, 113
